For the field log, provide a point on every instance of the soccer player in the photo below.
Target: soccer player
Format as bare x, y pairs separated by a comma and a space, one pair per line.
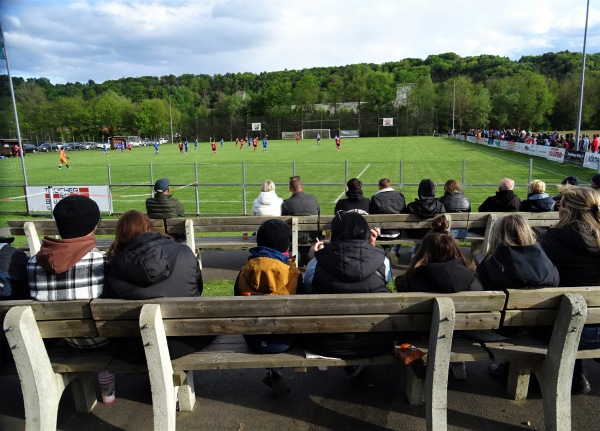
338, 142
156, 148
196, 145
129, 147
214, 147
105, 149
237, 141
297, 137
180, 147
222, 142
318, 139
249, 141
265, 144
241, 143
63, 159
255, 143
185, 145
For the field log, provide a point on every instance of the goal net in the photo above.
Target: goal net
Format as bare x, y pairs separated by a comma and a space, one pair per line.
312, 133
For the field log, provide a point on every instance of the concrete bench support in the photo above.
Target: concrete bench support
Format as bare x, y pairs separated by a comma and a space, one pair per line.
42, 387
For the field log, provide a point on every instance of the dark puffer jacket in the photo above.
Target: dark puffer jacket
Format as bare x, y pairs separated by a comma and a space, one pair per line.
352, 266
518, 267
387, 201
574, 253
538, 203
164, 206
154, 266
456, 203
503, 201
354, 201
445, 277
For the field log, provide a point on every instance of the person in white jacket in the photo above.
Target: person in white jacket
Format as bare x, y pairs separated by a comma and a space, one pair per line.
267, 203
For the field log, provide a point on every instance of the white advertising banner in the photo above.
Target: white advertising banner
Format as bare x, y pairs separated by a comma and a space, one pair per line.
591, 160
471, 139
388, 121
39, 200
255, 126
542, 151
556, 154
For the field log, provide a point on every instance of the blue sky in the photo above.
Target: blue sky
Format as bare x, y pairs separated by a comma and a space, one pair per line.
79, 40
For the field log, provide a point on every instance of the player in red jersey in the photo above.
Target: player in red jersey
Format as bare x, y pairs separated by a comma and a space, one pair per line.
338, 142
297, 137
214, 147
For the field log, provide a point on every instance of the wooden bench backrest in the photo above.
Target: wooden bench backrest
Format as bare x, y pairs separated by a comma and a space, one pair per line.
299, 314
221, 224
48, 227
58, 319
535, 307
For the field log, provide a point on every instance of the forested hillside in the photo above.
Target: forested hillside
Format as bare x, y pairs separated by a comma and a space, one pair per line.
535, 92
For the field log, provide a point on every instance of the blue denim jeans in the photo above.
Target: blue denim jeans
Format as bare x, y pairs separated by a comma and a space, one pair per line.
590, 338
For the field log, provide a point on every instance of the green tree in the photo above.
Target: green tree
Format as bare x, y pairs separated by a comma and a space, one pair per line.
335, 91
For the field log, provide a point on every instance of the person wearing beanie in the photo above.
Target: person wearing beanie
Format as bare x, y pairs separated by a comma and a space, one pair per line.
70, 267
355, 201
505, 199
163, 205
425, 206
570, 180
270, 271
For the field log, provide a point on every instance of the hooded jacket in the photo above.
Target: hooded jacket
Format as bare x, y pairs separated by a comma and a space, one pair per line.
538, 203
426, 205
574, 253
518, 267
354, 201
503, 201
456, 202
163, 205
445, 277
268, 272
351, 266
267, 204
154, 266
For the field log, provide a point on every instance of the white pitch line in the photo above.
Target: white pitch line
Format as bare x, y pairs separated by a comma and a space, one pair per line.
344, 192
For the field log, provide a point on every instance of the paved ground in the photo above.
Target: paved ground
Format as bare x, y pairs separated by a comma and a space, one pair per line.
375, 401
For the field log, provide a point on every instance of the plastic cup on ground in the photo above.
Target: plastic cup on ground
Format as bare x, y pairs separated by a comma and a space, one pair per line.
106, 380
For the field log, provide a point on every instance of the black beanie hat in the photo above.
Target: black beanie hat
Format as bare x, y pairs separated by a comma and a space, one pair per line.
426, 189
596, 180
573, 180
76, 216
275, 234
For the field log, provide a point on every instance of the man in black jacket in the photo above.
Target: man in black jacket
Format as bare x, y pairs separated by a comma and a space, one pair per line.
387, 201
163, 205
505, 199
301, 204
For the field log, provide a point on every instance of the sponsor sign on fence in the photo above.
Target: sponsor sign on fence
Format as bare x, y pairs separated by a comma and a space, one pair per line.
42, 199
290, 135
591, 160
349, 134
574, 156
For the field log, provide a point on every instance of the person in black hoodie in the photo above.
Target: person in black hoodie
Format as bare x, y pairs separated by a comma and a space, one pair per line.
505, 199
426, 206
573, 245
537, 199
572, 180
145, 264
440, 266
350, 263
354, 198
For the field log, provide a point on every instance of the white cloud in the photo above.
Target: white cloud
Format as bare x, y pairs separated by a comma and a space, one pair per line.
80, 40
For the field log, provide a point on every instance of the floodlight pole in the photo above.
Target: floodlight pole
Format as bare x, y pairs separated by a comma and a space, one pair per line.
171, 119
453, 105
14, 103
578, 127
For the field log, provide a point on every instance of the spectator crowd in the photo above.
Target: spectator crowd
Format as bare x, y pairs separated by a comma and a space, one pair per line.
143, 264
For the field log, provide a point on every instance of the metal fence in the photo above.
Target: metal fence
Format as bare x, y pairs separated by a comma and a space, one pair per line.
230, 188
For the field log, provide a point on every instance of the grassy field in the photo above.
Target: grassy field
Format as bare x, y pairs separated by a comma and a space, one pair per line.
405, 160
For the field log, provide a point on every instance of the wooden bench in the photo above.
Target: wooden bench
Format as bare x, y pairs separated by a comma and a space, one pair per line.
566, 309
44, 376
33, 229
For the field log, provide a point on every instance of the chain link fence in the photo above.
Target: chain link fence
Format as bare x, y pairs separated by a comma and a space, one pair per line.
230, 188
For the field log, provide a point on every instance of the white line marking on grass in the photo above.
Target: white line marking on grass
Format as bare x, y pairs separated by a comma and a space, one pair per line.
344, 192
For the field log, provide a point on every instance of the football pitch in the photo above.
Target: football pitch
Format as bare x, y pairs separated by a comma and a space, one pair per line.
228, 182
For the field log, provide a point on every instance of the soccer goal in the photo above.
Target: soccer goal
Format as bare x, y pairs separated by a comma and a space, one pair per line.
312, 133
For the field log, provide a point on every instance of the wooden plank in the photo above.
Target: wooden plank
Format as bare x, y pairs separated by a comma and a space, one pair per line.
550, 297
76, 309
76, 362
540, 317
300, 324
299, 305
67, 328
